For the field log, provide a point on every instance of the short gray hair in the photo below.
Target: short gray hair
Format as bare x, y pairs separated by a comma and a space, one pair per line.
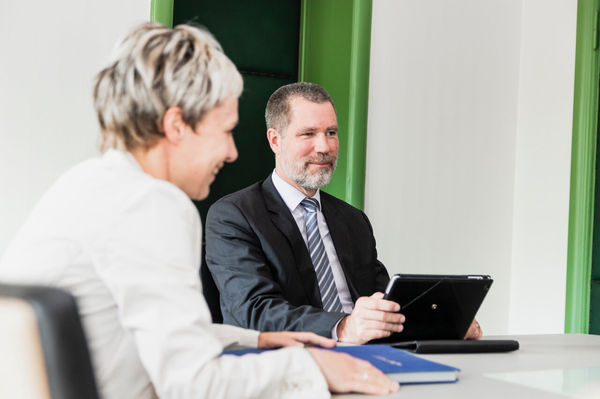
277, 112
155, 68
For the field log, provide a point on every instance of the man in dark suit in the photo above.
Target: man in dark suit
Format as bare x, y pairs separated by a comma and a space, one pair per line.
282, 263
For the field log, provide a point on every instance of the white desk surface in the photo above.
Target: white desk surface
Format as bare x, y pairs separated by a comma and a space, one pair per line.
545, 366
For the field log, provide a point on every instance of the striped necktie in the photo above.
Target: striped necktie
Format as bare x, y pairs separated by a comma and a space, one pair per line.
327, 287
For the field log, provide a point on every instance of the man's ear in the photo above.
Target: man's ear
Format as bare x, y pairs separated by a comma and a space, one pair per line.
274, 140
173, 124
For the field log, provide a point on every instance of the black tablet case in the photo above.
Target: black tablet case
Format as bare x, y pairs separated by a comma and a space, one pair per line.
439, 310
459, 346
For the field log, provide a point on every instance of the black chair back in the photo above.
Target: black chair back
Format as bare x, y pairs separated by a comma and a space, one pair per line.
66, 359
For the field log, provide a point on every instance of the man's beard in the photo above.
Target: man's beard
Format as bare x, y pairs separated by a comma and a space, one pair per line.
298, 171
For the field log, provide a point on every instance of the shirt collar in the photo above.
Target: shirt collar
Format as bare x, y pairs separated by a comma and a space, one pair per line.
290, 194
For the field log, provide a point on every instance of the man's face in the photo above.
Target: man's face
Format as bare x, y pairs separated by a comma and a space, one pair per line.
308, 148
206, 149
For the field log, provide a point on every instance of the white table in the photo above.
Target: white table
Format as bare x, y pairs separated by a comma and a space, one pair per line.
545, 366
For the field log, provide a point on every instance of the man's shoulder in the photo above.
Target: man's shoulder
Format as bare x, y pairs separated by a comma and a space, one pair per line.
338, 204
246, 198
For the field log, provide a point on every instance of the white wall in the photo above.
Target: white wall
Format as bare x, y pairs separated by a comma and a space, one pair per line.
50, 53
452, 170
543, 163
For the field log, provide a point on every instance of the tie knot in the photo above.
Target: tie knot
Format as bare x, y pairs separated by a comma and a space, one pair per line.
310, 204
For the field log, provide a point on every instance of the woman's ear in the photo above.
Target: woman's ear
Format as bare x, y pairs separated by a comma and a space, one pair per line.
173, 124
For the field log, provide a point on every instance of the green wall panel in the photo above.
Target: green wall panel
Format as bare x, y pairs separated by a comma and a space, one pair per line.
161, 11
335, 53
583, 164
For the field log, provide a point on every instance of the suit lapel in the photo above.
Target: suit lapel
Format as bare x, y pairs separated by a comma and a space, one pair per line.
338, 230
284, 221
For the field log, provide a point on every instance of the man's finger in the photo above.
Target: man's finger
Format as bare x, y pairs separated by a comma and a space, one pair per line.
376, 304
379, 325
372, 334
377, 295
474, 331
378, 315
369, 334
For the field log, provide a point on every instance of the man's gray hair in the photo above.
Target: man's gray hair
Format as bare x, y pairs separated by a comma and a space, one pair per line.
156, 68
277, 113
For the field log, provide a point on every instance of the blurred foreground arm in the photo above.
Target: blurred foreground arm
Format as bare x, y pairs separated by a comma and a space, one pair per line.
345, 373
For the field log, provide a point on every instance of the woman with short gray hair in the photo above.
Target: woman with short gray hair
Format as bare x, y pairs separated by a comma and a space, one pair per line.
121, 234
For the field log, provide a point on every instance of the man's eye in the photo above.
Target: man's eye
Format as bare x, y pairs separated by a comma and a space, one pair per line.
331, 133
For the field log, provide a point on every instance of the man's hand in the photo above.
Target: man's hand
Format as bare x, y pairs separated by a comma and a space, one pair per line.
474, 331
288, 338
345, 373
373, 317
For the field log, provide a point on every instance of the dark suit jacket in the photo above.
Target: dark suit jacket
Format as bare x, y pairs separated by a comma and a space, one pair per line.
262, 266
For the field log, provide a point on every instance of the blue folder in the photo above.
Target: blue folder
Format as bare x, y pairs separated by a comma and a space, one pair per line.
398, 364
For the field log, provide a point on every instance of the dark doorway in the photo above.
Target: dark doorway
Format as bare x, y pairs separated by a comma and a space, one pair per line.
262, 38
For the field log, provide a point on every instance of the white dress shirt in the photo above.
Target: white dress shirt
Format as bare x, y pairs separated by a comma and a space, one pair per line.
127, 246
292, 198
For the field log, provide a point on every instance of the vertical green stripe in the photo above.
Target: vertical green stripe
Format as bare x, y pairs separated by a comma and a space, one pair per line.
335, 38
583, 160
161, 11
358, 102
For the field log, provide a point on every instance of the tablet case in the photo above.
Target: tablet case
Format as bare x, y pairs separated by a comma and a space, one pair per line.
459, 346
437, 307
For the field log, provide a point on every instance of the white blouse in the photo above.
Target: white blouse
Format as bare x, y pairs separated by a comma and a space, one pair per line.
127, 246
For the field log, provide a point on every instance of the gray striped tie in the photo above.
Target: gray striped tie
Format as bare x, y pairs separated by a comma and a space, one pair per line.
327, 287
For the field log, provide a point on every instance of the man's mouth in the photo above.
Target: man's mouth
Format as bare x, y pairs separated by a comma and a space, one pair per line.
324, 161
321, 164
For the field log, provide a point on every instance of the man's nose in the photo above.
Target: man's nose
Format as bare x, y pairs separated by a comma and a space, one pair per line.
322, 143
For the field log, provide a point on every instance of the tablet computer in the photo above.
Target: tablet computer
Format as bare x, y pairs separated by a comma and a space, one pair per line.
437, 307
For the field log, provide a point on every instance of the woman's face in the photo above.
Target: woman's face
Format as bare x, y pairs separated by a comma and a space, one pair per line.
205, 149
